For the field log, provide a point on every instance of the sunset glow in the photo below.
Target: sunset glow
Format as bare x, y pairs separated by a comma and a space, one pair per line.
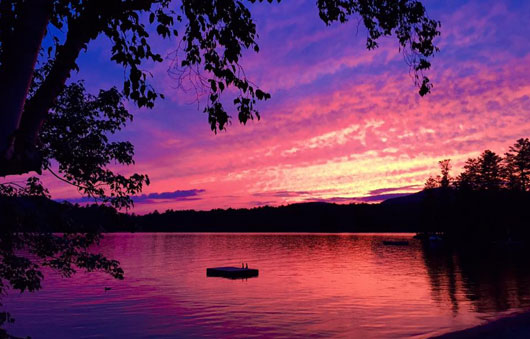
343, 125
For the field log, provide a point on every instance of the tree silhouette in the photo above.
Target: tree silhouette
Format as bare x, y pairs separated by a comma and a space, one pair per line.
469, 179
431, 183
44, 121
214, 35
490, 171
482, 173
24, 253
517, 165
445, 167
489, 200
75, 137
443, 180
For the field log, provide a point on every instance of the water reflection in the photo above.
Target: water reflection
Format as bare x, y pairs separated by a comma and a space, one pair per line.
492, 280
309, 285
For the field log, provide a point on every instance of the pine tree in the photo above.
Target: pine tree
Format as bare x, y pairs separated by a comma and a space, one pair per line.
490, 171
517, 165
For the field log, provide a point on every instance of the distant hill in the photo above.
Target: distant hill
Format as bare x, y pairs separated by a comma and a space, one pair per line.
466, 215
419, 197
301, 217
414, 198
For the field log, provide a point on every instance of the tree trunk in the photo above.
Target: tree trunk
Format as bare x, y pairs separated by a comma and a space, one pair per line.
37, 108
21, 124
80, 31
16, 73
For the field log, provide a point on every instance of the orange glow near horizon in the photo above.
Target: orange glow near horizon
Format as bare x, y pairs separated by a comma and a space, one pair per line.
344, 124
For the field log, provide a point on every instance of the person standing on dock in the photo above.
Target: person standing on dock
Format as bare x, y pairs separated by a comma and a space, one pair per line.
246, 266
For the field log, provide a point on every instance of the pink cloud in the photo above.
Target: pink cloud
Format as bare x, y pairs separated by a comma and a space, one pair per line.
343, 122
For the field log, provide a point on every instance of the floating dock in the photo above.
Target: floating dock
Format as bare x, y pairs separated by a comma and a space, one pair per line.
232, 272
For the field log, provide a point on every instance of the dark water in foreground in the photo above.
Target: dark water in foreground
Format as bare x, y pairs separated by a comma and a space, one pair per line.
321, 285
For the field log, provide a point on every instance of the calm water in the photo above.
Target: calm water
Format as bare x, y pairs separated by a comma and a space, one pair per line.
309, 285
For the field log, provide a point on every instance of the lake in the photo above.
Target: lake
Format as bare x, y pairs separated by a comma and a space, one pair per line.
318, 285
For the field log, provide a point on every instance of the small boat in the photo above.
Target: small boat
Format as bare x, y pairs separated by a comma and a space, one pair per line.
395, 242
232, 272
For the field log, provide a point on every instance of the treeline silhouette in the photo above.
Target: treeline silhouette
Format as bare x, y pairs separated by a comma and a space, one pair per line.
305, 217
42, 214
488, 201
489, 171
460, 215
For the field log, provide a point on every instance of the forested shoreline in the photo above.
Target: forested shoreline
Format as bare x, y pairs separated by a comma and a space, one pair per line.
464, 215
489, 199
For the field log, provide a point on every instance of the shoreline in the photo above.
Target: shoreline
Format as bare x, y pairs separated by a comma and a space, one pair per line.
515, 325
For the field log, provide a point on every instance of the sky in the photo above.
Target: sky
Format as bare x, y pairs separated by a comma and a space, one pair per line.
344, 124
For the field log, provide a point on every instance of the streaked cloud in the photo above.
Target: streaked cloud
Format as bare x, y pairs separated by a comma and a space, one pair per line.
175, 196
344, 124
179, 195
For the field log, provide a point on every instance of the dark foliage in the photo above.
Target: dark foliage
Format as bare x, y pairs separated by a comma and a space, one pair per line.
307, 217
462, 215
407, 20
213, 35
488, 199
46, 123
517, 166
27, 243
75, 140
489, 172
76, 137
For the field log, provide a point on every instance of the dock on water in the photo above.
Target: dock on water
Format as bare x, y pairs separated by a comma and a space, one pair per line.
232, 272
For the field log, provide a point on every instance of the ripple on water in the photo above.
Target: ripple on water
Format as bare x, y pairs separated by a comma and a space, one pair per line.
309, 285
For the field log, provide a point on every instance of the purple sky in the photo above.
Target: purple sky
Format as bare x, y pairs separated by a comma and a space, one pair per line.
344, 124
